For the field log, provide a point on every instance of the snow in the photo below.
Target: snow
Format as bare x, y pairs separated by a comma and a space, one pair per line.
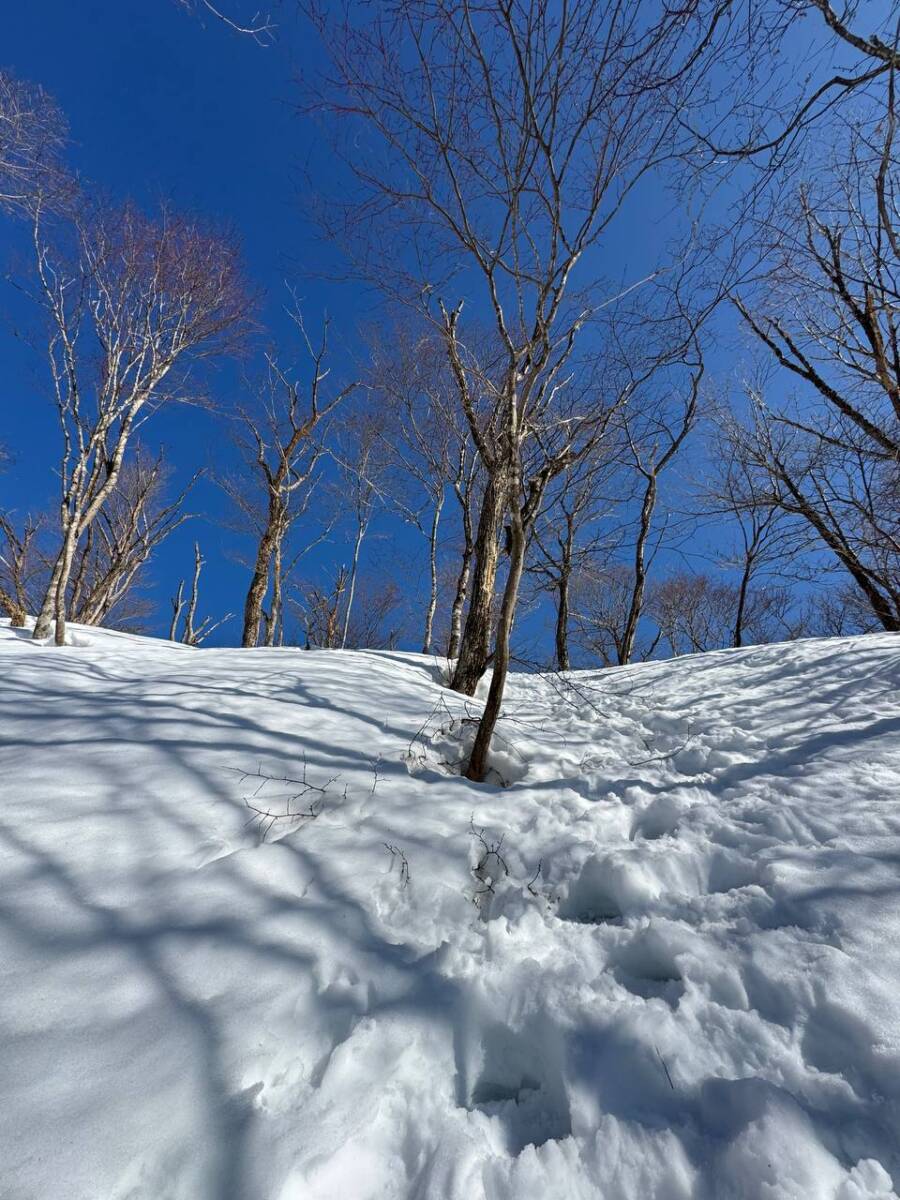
662, 963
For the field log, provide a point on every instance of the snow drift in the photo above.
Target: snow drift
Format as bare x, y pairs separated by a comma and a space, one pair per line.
662, 962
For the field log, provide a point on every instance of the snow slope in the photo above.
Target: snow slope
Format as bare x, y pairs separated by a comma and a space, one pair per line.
696, 995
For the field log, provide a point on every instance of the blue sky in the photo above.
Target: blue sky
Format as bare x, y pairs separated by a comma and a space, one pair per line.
164, 105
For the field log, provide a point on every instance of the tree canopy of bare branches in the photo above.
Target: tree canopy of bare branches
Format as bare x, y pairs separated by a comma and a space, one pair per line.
827, 315
32, 136
759, 106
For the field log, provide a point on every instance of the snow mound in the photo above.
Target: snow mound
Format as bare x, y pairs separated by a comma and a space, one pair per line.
258, 942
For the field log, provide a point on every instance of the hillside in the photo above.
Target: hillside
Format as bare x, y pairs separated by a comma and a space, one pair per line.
661, 963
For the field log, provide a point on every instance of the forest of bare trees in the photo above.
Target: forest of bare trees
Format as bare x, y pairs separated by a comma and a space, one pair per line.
538, 451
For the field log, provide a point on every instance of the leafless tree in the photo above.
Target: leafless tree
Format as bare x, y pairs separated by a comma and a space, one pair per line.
430, 447
32, 136
193, 632
695, 612
21, 566
652, 451
321, 611
508, 138
838, 612
377, 617
132, 524
603, 598
828, 317
764, 542
128, 308
375, 623
575, 534
282, 451
359, 453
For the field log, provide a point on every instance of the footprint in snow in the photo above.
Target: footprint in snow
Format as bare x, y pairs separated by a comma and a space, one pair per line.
519, 1085
646, 967
589, 900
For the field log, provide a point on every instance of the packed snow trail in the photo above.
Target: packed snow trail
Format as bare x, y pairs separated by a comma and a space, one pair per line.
662, 962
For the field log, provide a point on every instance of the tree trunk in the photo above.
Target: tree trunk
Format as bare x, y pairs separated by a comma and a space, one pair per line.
474, 650
640, 573
462, 581
274, 623
13, 609
562, 622
459, 601
78, 577
67, 557
432, 562
259, 584
49, 605
478, 764
360, 534
738, 636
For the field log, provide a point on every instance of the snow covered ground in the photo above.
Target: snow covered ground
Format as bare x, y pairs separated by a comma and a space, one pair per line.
677, 975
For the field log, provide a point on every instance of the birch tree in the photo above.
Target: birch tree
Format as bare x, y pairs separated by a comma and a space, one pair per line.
282, 452
135, 521
362, 462
32, 137
21, 566
128, 308
194, 631
651, 454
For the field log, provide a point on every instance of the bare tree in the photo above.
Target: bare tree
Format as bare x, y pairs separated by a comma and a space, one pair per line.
32, 137
764, 542
508, 140
360, 456
695, 612
321, 612
660, 440
148, 296
377, 616
193, 632
429, 444
282, 451
829, 319
573, 535
21, 566
603, 602
133, 523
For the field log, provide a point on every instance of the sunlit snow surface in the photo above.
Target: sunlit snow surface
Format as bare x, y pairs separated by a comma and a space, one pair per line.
696, 995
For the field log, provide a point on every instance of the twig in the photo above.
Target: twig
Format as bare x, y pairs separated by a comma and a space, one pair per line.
267, 816
491, 850
665, 1068
398, 855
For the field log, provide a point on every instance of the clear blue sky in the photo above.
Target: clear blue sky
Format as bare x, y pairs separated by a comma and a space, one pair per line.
164, 105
